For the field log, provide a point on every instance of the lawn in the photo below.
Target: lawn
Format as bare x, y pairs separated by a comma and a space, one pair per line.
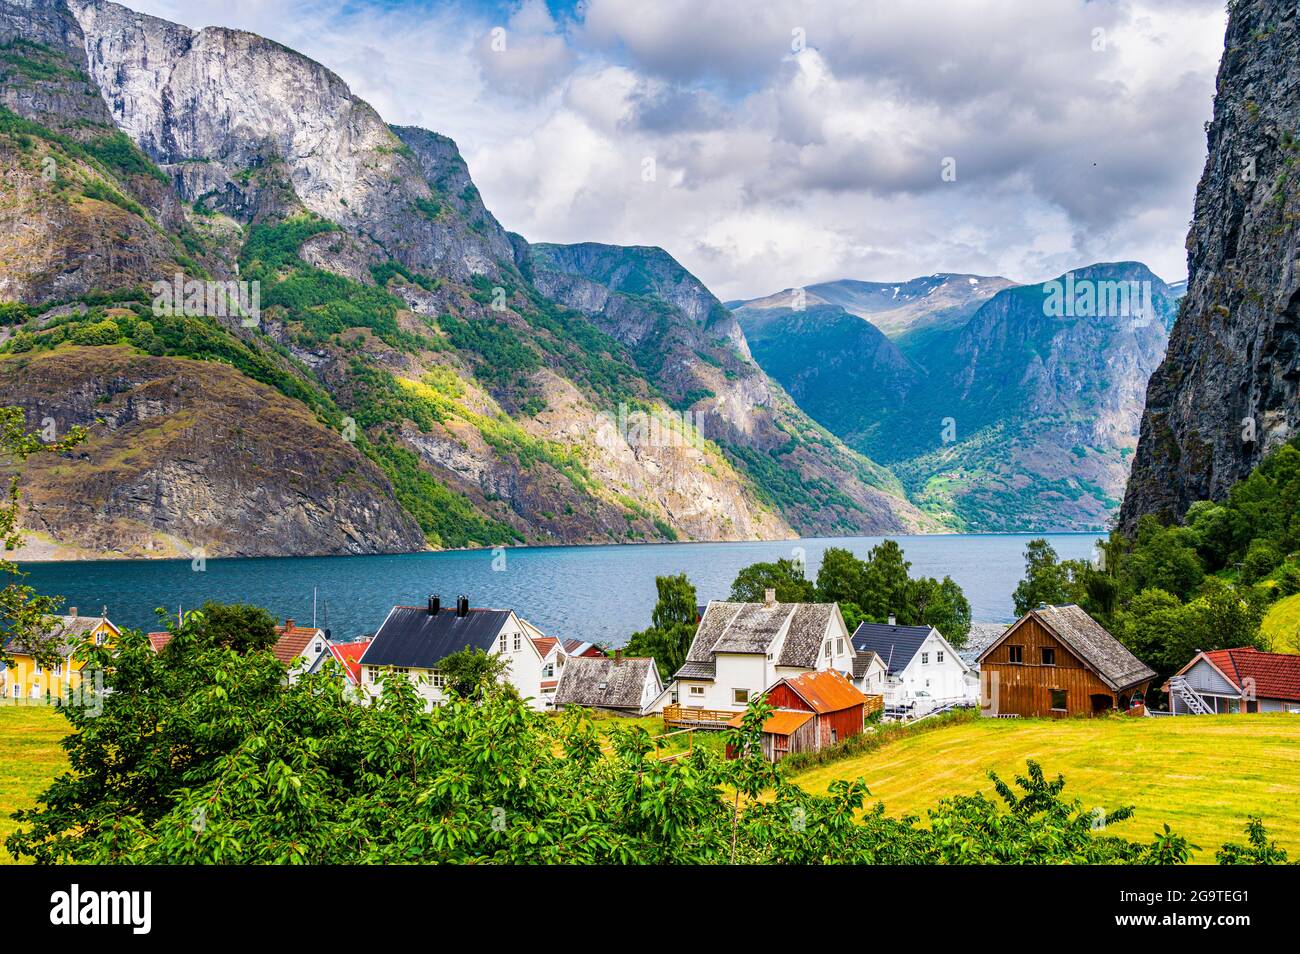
29, 741
1203, 775
1281, 627
674, 744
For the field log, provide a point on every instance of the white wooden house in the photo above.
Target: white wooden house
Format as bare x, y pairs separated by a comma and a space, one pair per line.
413, 640
741, 648
628, 685
922, 670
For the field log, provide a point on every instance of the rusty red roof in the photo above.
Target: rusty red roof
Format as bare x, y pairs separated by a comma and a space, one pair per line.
544, 644
159, 640
780, 722
1274, 675
825, 690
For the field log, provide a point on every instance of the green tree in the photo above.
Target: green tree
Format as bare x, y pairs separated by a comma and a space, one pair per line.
25, 615
239, 627
885, 582
472, 673
1045, 581
841, 578
672, 628
942, 605
784, 576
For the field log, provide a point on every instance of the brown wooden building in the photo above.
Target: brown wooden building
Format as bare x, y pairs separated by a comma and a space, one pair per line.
812, 710
1059, 661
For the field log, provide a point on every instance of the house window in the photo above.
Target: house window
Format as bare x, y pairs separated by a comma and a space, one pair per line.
740, 696
839, 647
501, 643
1049, 656
548, 671
100, 639
58, 669
39, 670
925, 659
518, 637
697, 690
827, 648
1015, 654
1058, 700
938, 657
439, 680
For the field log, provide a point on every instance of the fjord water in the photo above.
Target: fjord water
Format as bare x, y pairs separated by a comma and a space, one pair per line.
598, 593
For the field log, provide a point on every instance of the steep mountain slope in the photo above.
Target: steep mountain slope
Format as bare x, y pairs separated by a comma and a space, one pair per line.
692, 348
943, 300
488, 387
1227, 392
1022, 418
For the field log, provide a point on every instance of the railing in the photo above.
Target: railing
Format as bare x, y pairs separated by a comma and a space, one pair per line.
874, 704
1190, 697
705, 718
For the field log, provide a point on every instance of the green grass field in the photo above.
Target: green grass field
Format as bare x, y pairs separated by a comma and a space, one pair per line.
1281, 627
30, 758
1203, 775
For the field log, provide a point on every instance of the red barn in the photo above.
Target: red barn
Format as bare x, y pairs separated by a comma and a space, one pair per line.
812, 710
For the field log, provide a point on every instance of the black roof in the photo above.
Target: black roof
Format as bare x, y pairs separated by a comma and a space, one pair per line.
413, 638
895, 645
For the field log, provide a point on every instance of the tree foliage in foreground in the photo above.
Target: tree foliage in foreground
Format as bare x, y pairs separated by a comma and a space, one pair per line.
204, 755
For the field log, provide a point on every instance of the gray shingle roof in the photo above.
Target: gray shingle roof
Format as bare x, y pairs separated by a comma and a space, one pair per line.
66, 635
601, 682
804, 640
862, 661
752, 628
1088, 640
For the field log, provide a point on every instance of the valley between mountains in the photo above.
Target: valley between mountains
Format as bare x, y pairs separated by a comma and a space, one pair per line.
419, 376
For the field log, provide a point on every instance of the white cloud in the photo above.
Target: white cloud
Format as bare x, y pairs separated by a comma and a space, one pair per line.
778, 167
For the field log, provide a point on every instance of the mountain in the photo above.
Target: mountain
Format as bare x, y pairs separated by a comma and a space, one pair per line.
944, 300
467, 388
1226, 393
1023, 417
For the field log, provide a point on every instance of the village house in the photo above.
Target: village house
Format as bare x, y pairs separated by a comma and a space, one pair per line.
741, 647
922, 670
627, 685
1059, 661
347, 656
28, 679
1235, 681
300, 648
811, 711
413, 640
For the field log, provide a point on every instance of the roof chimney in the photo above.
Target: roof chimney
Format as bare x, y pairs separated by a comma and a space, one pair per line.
893, 620
769, 596
462, 606
72, 611
288, 623
435, 604
618, 657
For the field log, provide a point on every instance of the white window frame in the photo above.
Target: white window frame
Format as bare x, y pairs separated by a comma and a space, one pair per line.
925, 659
735, 697
697, 690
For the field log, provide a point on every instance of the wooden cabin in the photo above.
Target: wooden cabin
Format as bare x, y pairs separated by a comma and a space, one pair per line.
812, 710
1058, 661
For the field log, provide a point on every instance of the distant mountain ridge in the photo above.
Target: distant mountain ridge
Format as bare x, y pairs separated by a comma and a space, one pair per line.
1015, 419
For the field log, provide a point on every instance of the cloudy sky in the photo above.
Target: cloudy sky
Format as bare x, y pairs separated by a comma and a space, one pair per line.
774, 144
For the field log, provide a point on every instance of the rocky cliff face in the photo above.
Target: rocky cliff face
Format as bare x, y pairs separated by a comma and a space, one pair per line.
1226, 393
188, 456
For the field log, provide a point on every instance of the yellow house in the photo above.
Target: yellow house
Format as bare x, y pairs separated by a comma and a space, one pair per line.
26, 680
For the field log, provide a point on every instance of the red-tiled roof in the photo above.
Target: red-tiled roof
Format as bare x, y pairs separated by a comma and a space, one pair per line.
348, 655
293, 640
1275, 675
544, 644
576, 647
826, 690
159, 640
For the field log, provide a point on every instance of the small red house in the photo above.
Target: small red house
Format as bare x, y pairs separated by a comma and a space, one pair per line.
812, 710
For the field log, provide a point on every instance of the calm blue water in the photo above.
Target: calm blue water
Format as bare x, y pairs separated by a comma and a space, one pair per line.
602, 593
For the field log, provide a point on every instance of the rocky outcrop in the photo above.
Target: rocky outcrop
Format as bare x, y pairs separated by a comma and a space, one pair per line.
1226, 393
190, 456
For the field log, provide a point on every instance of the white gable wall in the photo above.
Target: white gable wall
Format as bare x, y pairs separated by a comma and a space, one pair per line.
936, 669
